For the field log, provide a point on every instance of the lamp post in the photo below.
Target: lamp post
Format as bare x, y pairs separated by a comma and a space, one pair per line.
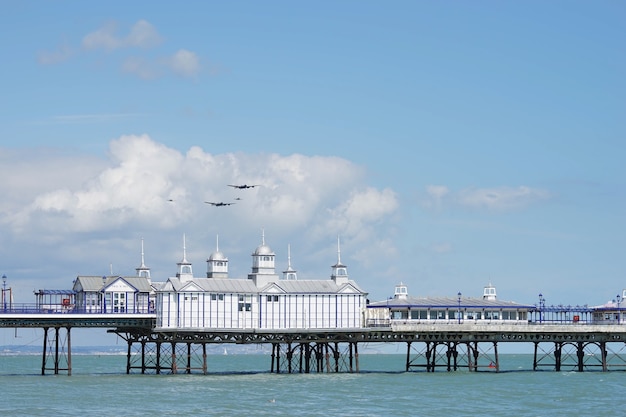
4, 292
542, 303
619, 300
459, 311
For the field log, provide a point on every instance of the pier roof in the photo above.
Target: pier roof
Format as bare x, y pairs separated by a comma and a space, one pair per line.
447, 302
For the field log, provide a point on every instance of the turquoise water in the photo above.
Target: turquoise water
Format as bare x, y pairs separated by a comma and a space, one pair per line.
241, 385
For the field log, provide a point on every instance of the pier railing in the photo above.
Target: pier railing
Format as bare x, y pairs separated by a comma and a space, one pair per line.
31, 308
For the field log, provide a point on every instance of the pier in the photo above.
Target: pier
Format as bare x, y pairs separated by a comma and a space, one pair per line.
429, 347
312, 325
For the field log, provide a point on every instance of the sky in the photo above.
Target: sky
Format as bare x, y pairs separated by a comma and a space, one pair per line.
445, 145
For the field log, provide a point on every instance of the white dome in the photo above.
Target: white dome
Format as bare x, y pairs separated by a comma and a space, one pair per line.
263, 250
217, 256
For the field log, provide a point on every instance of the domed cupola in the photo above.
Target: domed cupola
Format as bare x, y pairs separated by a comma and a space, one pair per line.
217, 263
263, 265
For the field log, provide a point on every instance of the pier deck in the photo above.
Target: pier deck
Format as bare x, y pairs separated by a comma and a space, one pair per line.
430, 346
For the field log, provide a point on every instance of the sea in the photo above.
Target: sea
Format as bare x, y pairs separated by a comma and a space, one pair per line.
240, 384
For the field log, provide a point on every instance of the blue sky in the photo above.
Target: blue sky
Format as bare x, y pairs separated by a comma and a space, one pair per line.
448, 144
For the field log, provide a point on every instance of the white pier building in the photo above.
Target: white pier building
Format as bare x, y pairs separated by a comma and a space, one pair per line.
262, 300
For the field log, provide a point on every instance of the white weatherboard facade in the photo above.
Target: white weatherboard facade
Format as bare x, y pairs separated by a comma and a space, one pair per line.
263, 300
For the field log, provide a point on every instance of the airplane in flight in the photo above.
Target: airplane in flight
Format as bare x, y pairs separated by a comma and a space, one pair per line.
219, 204
241, 187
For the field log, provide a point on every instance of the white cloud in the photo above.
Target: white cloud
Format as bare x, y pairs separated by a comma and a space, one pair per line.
184, 63
142, 35
315, 198
435, 195
499, 198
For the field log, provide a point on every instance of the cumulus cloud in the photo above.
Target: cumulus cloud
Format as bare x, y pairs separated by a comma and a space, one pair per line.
133, 189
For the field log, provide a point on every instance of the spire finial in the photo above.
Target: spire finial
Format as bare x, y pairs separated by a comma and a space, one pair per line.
289, 256
338, 251
143, 264
263, 236
184, 249
217, 243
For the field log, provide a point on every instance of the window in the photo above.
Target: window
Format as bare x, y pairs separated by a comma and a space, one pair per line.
509, 315
270, 298
245, 303
215, 297
398, 315
437, 314
119, 302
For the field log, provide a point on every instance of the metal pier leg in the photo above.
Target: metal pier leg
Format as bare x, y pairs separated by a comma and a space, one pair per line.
495, 353
350, 355
129, 342
69, 352
158, 358
603, 353
174, 365
558, 352
204, 366
356, 356
336, 355
273, 357
289, 357
581, 356
408, 356
188, 371
56, 350
476, 353
45, 348
535, 356
143, 357
428, 353
307, 358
